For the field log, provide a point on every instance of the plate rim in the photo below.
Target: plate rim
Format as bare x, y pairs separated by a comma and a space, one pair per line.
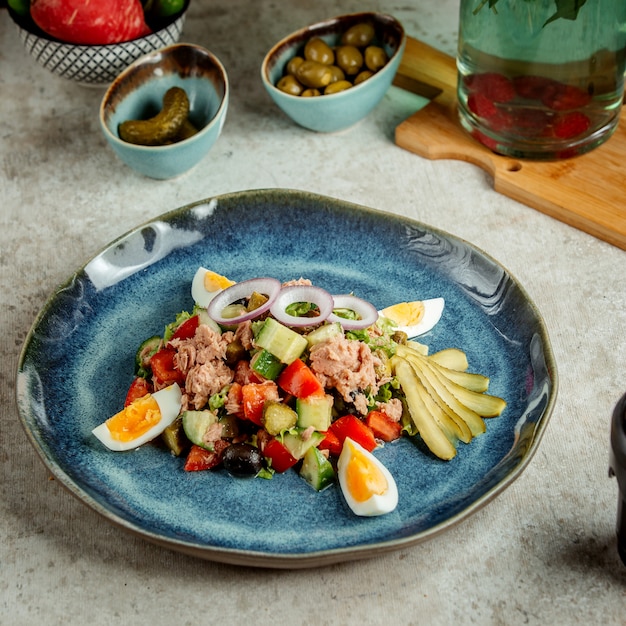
267, 559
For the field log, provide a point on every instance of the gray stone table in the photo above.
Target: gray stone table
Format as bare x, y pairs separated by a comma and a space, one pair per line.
543, 552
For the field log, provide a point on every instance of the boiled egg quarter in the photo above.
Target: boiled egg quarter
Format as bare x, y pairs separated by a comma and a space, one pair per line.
141, 421
367, 485
206, 284
415, 318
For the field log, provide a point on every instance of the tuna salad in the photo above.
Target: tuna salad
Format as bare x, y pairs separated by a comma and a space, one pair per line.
262, 376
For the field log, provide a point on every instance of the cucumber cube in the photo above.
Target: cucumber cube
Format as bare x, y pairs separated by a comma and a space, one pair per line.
317, 470
315, 410
195, 425
298, 446
285, 344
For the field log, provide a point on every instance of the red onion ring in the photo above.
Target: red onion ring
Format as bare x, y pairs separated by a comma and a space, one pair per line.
267, 286
302, 293
364, 309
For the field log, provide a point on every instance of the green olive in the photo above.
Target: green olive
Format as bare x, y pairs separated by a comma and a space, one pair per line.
359, 35
314, 74
363, 76
338, 73
290, 84
340, 85
292, 66
349, 59
164, 126
375, 58
317, 49
311, 93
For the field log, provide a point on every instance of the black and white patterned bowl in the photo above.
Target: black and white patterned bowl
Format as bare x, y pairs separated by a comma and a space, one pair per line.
94, 65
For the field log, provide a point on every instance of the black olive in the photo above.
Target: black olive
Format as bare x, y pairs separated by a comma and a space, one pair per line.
242, 459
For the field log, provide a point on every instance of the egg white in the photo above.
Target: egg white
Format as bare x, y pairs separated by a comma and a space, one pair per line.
169, 401
199, 293
376, 504
433, 309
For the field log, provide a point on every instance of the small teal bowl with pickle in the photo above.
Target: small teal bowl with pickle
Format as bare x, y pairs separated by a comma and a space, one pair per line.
330, 75
163, 113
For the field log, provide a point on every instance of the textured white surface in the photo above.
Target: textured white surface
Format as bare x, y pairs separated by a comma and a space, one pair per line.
542, 552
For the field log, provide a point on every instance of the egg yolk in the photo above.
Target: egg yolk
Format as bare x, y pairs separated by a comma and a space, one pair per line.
214, 281
363, 478
135, 420
405, 313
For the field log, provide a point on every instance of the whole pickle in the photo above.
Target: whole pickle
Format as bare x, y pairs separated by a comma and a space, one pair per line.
164, 126
186, 130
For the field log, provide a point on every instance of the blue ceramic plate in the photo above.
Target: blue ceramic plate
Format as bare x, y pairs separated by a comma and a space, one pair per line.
78, 361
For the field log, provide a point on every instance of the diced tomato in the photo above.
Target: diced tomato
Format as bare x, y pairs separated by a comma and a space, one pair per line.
253, 398
383, 426
139, 388
351, 426
199, 458
235, 400
280, 458
331, 443
162, 365
187, 329
298, 380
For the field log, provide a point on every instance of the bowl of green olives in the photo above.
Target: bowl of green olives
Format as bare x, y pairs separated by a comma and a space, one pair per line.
328, 76
165, 111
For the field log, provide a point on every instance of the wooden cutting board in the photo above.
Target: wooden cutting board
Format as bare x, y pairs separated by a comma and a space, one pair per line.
587, 192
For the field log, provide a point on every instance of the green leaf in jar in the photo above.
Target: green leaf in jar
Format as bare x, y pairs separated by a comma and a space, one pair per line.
567, 9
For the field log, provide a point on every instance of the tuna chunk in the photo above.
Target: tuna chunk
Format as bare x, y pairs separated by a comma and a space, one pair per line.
297, 282
244, 334
347, 366
392, 409
201, 359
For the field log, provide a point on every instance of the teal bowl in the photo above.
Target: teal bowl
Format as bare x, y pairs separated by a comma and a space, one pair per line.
137, 93
329, 113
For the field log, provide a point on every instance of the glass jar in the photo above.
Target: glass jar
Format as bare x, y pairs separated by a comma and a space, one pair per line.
541, 79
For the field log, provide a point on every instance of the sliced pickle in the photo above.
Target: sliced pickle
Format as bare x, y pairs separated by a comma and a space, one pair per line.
429, 430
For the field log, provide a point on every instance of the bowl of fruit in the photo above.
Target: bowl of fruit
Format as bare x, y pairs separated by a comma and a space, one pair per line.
329, 75
92, 42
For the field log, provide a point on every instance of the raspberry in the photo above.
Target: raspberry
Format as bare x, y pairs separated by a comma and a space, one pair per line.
492, 144
496, 87
532, 87
561, 97
501, 121
481, 106
570, 125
